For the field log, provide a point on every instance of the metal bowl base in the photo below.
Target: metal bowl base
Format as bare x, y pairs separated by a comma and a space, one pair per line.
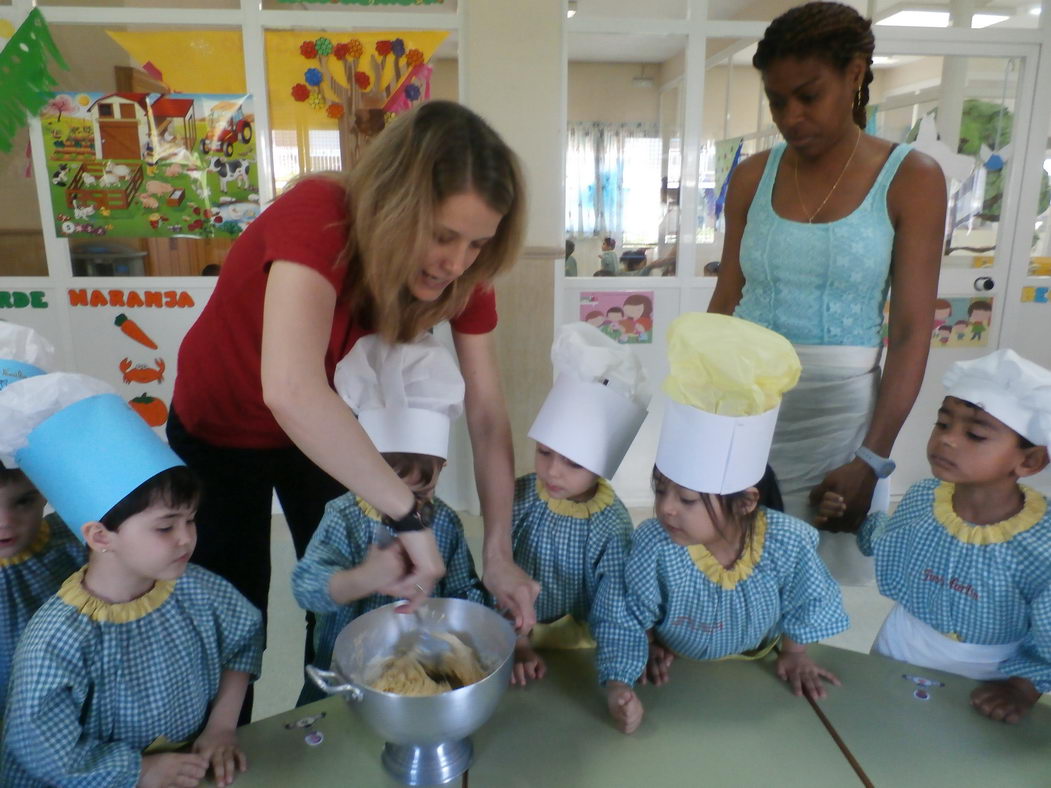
432, 764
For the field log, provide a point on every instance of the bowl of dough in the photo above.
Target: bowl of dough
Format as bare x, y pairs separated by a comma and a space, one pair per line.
425, 709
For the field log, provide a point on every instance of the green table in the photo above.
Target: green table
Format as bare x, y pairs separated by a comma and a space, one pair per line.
280, 758
900, 740
728, 723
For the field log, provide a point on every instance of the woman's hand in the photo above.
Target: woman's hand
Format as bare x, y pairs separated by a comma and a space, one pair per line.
515, 592
426, 567
853, 483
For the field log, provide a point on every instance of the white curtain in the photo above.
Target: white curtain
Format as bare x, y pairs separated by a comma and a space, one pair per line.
609, 166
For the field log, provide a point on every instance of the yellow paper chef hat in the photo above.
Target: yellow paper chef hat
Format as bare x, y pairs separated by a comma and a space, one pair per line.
405, 395
724, 388
598, 401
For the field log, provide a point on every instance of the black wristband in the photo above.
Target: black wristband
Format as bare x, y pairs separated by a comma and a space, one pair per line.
415, 520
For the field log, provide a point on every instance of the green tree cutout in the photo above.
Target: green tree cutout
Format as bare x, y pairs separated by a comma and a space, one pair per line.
989, 123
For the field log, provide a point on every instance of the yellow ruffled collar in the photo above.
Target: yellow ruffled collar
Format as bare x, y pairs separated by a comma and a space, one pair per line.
602, 498
743, 567
73, 593
369, 510
1033, 510
43, 536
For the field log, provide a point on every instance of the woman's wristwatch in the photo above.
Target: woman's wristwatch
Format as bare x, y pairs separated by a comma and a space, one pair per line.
881, 466
416, 520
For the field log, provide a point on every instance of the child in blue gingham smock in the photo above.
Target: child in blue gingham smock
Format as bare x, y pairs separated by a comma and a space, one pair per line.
406, 397
347, 539
137, 653
716, 574
967, 555
569, 530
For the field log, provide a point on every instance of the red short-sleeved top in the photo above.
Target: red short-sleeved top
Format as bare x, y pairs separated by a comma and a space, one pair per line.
218, 390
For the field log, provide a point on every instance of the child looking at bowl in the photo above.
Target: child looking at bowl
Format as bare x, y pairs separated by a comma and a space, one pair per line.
569, 530
36, 553
715, 574
966, 554
133, 673
406, 397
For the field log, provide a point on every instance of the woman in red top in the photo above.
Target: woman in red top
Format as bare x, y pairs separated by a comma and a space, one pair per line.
411, 236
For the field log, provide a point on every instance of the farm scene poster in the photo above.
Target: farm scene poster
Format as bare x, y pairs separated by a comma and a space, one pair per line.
150, 164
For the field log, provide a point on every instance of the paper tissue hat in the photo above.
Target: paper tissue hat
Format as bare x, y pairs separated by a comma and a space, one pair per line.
23, 353
725, 384
598, 402
79, 442
406, 395
1008, 387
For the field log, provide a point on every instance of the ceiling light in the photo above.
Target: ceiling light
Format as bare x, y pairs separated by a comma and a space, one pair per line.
937, 19
642, 81
1035, 10
571, 9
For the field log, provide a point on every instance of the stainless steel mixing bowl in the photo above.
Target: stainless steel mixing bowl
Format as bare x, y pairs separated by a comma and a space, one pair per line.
427, 738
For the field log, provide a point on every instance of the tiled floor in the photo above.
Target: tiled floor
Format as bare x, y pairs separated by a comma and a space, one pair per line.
282, 678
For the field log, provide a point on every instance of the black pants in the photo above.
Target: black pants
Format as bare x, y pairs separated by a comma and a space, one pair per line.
233, 519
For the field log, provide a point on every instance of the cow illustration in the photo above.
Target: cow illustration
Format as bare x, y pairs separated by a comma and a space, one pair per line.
230, 170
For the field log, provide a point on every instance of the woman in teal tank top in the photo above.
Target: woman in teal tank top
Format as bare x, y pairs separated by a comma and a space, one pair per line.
817, 231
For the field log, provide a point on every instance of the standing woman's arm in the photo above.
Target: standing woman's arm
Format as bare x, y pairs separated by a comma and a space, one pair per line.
739, 195
916, 201
297, 321
490, 433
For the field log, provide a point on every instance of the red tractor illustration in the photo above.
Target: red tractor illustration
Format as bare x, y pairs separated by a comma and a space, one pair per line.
226, 124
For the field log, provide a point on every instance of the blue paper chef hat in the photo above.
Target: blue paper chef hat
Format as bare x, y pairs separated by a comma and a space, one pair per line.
80, 443
23, 353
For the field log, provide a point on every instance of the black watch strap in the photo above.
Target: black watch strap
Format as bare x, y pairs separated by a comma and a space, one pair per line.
415, 520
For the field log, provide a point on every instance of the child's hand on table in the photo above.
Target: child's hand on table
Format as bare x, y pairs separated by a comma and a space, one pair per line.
185, 770
528, 664
796, 667
624, 706
658, 665
219, 747
1007, 701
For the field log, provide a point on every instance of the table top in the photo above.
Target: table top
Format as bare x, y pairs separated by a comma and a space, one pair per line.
717, 723
899, 739
279, 757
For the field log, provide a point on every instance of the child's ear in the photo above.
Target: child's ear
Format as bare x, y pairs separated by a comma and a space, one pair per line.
1034, 460
748, 501
97, 536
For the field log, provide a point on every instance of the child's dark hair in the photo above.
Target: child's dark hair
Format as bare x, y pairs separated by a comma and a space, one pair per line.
725, 509
422, 468
1023, 441
833, 32
10, 475
176, 487
608, 241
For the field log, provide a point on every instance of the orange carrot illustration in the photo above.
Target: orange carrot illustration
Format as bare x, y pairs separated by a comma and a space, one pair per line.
131, 328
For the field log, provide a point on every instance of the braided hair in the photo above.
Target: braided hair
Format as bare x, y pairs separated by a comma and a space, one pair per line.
833, 32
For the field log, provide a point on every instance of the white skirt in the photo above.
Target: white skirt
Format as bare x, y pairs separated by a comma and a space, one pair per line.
904, 637
823, 421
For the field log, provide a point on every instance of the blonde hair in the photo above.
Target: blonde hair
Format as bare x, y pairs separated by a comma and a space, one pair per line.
435, 151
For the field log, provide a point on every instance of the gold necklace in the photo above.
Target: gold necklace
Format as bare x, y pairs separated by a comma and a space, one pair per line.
799, 194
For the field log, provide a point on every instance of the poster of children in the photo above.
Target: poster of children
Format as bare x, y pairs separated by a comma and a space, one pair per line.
962, 322
623, 315
151, 165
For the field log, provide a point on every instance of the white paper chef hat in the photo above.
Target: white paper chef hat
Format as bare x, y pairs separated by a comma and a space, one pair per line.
724, 389
598, 402
23, 353
79, 442
405, 395
1008, 387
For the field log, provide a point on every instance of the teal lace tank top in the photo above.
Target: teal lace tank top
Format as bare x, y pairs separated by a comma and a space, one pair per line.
819, 284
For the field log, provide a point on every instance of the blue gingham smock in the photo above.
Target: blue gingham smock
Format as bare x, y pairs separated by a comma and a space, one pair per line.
570, 548
27, 580
985, 584
699, 609
342, 541
95, 684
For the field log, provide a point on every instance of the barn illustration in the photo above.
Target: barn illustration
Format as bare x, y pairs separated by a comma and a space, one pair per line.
121, 125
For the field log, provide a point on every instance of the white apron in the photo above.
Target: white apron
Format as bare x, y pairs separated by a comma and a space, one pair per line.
823, 421
904, 637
